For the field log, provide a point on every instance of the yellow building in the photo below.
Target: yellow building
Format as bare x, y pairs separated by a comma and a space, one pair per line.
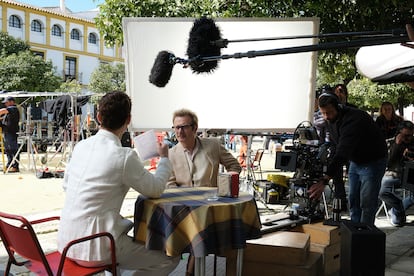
70, 40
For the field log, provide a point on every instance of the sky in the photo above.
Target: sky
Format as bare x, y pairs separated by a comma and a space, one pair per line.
73, 5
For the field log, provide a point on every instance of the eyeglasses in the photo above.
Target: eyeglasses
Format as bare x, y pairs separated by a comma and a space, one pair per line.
183, 127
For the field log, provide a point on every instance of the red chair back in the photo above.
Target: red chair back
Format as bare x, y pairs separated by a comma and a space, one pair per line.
19, 237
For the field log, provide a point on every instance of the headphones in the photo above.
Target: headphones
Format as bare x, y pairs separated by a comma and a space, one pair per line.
329, 98
404, 124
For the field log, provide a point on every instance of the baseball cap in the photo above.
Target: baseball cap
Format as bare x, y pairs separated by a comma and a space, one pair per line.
8, 99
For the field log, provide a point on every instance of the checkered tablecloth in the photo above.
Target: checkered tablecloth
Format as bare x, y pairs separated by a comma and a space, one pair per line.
182, 220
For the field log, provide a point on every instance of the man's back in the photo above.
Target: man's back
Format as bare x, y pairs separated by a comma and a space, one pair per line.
357, 136
11, 120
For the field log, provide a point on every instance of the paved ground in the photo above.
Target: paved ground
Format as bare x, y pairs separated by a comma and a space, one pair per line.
23, 193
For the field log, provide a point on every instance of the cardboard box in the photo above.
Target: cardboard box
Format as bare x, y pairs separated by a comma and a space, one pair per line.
279, 247
287, 248
311, 267
330, 256
320, 233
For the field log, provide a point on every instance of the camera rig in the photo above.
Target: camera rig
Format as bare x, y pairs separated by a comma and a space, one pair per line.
308, 159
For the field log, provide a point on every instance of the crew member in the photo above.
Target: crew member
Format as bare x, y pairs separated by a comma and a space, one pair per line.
358, 140
400, 149
10, 125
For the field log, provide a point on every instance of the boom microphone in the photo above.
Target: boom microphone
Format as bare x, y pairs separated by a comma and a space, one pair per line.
162, 69
201, 44
205, 43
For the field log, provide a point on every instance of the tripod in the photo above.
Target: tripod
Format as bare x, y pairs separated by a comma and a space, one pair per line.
65, 137
65, 147
250, 180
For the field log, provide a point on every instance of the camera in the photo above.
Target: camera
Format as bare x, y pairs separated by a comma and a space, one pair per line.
308, 160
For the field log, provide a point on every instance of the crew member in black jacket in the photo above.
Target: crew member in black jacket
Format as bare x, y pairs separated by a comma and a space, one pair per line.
358, 140
400, 150
10, 124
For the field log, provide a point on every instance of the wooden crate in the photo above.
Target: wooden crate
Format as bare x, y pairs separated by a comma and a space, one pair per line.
330, 256
311, 267
320, 233
279, 247
277, 251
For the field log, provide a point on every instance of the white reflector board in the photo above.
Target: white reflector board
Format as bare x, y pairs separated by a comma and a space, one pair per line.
274, 92
375, 61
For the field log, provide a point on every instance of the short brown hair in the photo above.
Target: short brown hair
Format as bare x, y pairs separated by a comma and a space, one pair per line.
114, 109
186, 112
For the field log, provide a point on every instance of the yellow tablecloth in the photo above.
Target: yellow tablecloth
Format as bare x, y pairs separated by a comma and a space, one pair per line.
182, 220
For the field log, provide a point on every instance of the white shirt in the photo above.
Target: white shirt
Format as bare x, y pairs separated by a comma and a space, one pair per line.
99, 175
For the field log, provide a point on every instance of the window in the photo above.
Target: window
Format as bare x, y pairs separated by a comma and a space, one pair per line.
56, 30
36, 26
70, 68
40, 54
15, 22
92, 38
74, 34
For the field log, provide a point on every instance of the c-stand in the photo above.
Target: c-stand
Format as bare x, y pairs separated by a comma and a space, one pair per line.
250, 181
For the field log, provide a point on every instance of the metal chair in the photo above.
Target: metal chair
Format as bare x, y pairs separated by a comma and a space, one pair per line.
252, 164
256, 166
19, 238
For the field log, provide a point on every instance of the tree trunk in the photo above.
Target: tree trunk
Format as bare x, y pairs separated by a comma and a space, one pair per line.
400, 106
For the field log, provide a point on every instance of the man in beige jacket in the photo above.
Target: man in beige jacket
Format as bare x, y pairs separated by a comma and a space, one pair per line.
196, 160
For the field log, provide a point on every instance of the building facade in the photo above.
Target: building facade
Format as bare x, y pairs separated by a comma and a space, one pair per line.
70, 40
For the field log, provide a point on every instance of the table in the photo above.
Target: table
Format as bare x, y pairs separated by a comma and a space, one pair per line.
182, 220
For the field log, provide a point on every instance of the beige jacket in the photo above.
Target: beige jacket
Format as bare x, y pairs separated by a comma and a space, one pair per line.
206, 163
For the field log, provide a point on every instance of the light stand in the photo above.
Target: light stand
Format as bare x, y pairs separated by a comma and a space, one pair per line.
66, 137
250, 180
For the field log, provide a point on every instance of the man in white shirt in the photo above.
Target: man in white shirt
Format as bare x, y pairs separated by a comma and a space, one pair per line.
97, 179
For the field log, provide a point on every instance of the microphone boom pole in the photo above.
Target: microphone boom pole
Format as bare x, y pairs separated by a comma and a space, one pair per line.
223, 43
308, 48
205, 43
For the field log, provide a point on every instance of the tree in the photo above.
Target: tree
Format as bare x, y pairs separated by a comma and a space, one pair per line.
26, 72
336, 16
10, 45
71, 86
108, 78
369, 96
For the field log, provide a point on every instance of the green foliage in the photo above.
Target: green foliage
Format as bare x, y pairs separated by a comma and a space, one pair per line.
109, 20
10, 45
369, 96
72, 86
336, 16
107, 78
26, 72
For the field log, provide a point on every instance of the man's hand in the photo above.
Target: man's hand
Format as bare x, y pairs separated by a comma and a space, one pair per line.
315, 191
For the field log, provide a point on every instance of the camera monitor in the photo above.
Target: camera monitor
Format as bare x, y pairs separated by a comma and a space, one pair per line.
408, 176
286, 161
